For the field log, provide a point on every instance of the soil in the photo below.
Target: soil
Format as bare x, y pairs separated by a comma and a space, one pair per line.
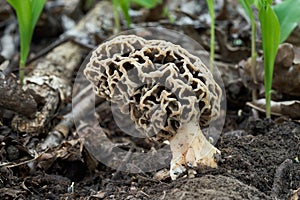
260, 159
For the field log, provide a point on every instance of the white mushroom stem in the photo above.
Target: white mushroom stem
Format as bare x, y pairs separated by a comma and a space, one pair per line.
190, 149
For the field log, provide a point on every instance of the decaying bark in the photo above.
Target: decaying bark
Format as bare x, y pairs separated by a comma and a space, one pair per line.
14, 98
50, 81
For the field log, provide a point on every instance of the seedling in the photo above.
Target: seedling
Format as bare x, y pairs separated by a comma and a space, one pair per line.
28, 12
270, 29
211, 10
124, 5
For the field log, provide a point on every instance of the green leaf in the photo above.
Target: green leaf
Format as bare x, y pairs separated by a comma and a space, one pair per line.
37, 7
124, 5
261, 3
211, 8
28, 12
246, 5
147, 3
288, 14
256, 3
270, 36
24, 16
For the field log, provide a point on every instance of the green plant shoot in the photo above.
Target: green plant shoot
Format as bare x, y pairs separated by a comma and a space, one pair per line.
210, 4
124, 6
28, 12
288, 16
270, 29
147, 3
246, 5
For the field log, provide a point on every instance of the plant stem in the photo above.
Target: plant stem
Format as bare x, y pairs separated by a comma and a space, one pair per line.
212, 46
116, 16
268, 103
22, 72
270, 29
253, 58
210, 4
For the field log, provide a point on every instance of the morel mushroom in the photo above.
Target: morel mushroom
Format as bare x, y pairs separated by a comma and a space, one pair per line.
167, 92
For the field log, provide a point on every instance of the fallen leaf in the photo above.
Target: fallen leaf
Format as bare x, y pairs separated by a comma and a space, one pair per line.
289, 109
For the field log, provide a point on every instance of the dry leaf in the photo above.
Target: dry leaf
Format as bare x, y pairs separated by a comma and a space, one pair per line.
289, 109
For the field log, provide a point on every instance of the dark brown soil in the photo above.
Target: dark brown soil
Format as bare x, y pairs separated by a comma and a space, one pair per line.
258, 162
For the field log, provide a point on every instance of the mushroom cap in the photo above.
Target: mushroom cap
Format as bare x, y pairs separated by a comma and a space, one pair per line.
158, 84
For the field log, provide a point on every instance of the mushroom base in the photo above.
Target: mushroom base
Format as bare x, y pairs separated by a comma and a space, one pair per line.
190, 149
